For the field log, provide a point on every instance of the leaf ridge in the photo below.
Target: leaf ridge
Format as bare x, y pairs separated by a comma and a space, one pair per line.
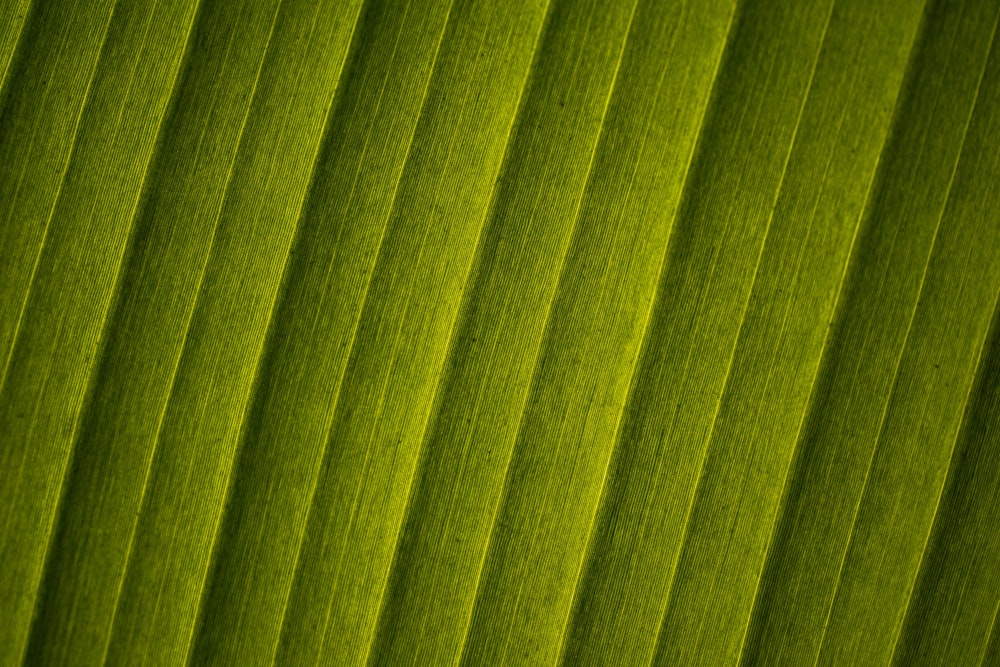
273, 326
536, 368
548, 313
895, 372
272, 319
874, 183
729, 367
351, 345
48, 219
198, 290
684, 373
8, 58
993, 638
474, 270
645, 338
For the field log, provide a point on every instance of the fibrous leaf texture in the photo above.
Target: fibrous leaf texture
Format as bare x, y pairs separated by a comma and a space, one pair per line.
539, 332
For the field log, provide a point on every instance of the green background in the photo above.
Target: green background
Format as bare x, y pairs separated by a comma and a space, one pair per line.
530, 332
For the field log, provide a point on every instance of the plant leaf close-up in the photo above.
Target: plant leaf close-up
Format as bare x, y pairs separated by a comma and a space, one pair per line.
534, 332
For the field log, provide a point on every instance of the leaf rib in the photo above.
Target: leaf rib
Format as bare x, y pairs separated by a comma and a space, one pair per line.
354, 335
154, 444
645, 338
55, 199
345, 173
536, 367
470, 279
732, 357
899, 358
465, 450
524, 249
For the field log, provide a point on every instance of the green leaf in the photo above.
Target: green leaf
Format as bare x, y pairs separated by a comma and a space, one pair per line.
537, 332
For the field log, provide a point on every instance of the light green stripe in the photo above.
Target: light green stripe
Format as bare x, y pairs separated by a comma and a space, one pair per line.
594, 333
709, 270
869, 359
13, 15
928, 400
200, 428
118, 430
382, 91
955, 600
399, 353
84, 213
828, 180
473, 429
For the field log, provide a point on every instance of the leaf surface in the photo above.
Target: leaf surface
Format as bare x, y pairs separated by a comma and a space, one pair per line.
537, 332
